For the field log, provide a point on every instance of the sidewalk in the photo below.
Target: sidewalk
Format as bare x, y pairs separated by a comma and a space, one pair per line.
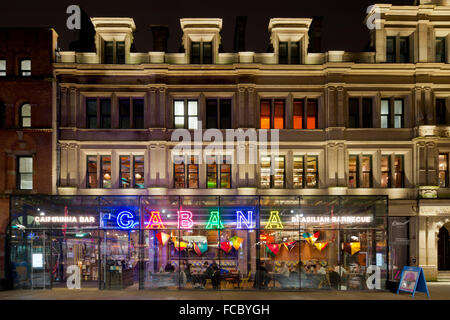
438, 291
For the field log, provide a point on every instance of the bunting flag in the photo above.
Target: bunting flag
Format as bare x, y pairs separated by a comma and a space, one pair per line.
289, 245
163, 237
226, 246
355, 247
272, 249
311, 238
200, 248
321, 245
180, 245
236, 242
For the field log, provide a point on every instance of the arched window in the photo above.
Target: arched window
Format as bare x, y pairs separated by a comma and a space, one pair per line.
2, 115
25, 115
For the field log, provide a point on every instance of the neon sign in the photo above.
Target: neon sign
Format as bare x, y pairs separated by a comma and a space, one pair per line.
155, 221
214, 221
241, 219
185, 220
125, 220
274, 221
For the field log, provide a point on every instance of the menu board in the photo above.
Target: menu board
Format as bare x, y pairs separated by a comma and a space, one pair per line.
413, 280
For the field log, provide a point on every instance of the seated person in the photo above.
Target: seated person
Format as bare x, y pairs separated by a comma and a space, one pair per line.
169, 267
262, 278
333, 278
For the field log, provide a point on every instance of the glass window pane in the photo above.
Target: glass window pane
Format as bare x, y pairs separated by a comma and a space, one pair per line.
404, 49
311, 172
139, 172
278, 178
367, 113
398, 106
443, 170
312, 113
193, 173
298, 172
193, 123
120, 52
265, 172
179, 122
211, 114
195, 52
278, 121
124, 113
26, 110
138, 113
298, 114
106, 171
353, 113
265, 114
25, 65
366, 165
353, 171
398, 173
26, 181
125, 170
207, 52
26, 122
384, 106
178, 108
192, 108
385, 171
283, 53
440, 50
225, 114
25, 164
2, 65
109, 52
295, 52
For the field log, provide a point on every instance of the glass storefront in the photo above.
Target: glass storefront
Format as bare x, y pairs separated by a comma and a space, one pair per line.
199, 242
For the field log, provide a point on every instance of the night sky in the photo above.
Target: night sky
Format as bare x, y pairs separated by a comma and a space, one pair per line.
343, 27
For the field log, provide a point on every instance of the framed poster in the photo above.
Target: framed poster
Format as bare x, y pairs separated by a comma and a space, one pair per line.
38, 260
412, 280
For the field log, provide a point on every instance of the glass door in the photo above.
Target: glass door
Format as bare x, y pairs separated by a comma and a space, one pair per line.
38, 247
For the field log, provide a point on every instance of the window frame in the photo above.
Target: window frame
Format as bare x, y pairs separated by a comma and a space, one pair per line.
3, 71
357, 175
446, 172
115, 52
131, 112
202, 58
388, 172
186, 116
219, 161
370, 172
25, 72
441, 115
272, 102
443, 55
402, 171
288, 59
219, 118
306, 102
304, 171
19, 173
104, 171
88, 172
22, 117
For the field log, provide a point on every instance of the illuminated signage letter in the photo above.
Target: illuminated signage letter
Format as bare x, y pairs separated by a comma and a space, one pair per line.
241, 219
274, 221
185, 220
214, 221
155, 221
125, 220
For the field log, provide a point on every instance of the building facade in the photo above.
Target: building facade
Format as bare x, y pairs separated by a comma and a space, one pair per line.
26, 105
348, 171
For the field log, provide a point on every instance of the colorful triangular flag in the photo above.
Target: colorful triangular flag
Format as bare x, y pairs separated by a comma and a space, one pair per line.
180, 245
225, 246
272, 249
321, 245
355, 247
163, 237
236, 242
289, 245
200, 248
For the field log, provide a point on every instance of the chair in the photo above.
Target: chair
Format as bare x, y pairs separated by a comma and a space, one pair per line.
246, 281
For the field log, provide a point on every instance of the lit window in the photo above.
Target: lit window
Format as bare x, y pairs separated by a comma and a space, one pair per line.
385, 113
25, 116
185, 114
272, 114
366, 165
298, 114
312, 179
443, 170
125, 171
353, 172
399, 181
305, 117
277, 179
25, 173
298, 172
138, 172
91, 179
106, 172
305, 177
213, 166
192, 171
398, 113
179, 171
211, 172
2, 68
385, 171
25, 68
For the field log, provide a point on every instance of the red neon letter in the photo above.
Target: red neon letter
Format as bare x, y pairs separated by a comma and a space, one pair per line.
185, 220
155, 221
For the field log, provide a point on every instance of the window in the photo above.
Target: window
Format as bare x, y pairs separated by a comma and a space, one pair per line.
185, 114
353, 171
25, 173
180, 170
399, 181
125, 112
106, 172
440, 50
398, 113
215, 166
360, 113
105, 113
385, 118
201, 53
25, 115
305, 118
91, 180
385, 171
441, 111
95, 105
136, 171
443, 170
277, 179
289, 52
2, 68
218, 114
25, 68
114, 53
404, 50
386, 111
353, 113
366, 165
390, 49
272, 114
305, 177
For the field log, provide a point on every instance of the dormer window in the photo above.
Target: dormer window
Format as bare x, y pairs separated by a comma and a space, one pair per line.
201, 52
402, 54
440, 50
114, 52
289, 52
